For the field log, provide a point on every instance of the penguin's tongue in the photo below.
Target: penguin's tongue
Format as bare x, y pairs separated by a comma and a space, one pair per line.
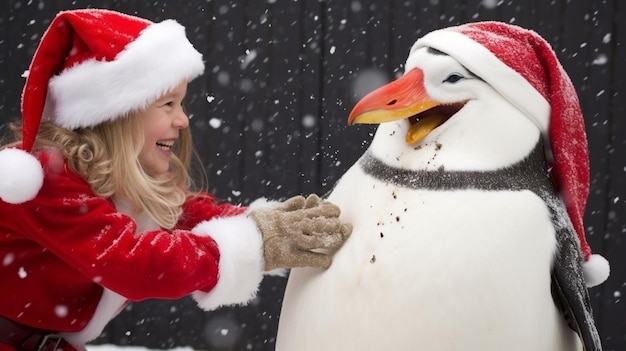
419, 129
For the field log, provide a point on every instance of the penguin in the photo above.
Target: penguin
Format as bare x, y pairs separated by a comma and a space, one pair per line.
465, 212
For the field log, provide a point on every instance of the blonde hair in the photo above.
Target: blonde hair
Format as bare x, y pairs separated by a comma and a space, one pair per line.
106, 156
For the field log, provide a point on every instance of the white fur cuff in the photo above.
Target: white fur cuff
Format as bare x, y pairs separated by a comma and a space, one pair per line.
241, 261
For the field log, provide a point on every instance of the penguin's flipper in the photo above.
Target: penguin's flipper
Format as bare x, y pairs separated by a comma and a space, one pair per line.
570, 292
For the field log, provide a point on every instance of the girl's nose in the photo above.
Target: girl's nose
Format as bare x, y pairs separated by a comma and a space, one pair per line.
181, 120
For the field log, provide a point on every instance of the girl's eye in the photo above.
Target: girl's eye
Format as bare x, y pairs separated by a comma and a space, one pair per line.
171, 104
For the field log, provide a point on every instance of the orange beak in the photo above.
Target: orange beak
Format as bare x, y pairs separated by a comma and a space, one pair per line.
403, 98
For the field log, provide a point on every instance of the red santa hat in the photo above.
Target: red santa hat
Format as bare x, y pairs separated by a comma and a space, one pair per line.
93, 66
522, 66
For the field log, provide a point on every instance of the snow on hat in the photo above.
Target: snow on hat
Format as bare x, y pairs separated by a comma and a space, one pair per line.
522, 66
93, 66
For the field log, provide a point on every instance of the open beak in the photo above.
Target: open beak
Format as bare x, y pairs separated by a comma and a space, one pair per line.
404, 98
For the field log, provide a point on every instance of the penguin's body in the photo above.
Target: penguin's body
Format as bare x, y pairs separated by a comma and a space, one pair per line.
438, 260
460, 239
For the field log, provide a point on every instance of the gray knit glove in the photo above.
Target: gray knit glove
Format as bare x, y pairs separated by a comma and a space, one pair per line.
297, 226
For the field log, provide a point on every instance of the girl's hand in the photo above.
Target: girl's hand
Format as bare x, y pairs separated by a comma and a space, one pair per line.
300, 232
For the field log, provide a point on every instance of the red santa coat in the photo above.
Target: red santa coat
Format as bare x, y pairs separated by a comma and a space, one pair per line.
70, 260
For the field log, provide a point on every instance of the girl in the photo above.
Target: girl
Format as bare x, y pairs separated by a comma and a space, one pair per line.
95, 202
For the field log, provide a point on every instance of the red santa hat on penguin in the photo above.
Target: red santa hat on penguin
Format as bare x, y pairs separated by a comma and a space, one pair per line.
93, 66
522, 66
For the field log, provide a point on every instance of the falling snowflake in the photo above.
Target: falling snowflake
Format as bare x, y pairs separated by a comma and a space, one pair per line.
8, 259
60, 311
215, 123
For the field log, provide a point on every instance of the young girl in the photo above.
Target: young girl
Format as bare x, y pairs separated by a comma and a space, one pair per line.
95, 202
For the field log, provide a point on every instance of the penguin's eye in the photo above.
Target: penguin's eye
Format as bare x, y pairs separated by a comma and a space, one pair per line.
453, 78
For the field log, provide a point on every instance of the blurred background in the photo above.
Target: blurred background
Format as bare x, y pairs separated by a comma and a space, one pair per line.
269, 118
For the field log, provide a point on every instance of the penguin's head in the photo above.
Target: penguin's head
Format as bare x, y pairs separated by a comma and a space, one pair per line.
440, 108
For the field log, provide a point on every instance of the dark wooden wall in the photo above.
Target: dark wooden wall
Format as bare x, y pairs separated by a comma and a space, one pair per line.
269, 117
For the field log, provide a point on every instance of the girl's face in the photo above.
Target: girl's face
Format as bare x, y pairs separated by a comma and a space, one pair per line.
161, 124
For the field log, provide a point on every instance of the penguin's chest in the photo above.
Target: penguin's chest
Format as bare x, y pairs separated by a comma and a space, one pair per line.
430, 264
412, 237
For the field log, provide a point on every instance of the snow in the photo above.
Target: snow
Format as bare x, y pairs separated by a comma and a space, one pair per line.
8, 259
309, 121
215, 123
22, 273
61, 311
336, 48
490, 4
366, 81
249, 57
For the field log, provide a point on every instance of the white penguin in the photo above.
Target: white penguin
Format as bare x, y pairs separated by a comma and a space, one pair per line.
461, 240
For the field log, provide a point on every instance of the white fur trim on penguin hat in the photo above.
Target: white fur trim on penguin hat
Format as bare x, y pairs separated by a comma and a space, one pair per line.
482, 62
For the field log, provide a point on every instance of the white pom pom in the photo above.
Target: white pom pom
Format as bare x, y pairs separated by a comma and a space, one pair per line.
21, 176
596, 270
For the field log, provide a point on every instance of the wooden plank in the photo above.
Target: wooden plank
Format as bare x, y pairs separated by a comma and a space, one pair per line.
343, 53
574, 34
13, 61
378, 33
514, 13
225, 162
430, 17
548, 21
22, 29
481, 10
311, 77
404, 25
575, 56
254, 71
452, 13
596, 104
196, 17
612, 322
284, 117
